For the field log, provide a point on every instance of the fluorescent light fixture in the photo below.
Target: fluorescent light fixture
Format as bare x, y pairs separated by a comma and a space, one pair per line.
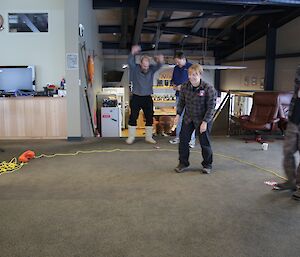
217, 67
222, 67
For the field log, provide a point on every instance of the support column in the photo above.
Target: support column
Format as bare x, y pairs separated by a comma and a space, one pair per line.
72, 74
270, 58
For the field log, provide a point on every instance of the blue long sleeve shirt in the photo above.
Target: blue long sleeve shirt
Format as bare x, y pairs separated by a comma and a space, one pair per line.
180, 75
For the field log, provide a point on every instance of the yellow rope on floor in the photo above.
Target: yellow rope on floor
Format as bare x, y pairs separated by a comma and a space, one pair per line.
13, 164
252, 164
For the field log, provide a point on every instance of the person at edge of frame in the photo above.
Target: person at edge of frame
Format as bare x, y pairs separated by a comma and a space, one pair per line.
291, 144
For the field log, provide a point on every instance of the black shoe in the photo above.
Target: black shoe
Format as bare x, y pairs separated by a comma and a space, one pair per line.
181, 168
285, 186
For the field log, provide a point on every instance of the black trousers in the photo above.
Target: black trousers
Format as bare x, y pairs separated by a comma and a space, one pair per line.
204, 138
136, 104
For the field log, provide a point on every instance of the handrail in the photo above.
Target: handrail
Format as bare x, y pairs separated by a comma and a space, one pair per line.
218, 111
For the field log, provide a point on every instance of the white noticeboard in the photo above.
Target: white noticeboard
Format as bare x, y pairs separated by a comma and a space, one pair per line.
72, 61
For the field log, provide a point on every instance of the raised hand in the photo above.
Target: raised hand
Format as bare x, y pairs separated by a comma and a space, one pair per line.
135, 49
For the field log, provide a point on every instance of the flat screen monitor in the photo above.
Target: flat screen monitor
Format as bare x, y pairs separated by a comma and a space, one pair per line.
13, 78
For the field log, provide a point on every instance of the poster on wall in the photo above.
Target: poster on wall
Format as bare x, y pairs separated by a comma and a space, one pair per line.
72, 61
28, 22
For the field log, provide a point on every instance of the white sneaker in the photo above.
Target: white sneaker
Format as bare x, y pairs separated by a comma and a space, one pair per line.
192, 145
174, 141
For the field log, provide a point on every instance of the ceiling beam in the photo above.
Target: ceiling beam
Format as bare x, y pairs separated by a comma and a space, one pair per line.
237, 19
139, 21
159, 32
183, 31
258, 29
207, 6
287, 3
149, 46
124, 28
211, 5
215, 15
192, 6
165, 30
198, 24
108, 4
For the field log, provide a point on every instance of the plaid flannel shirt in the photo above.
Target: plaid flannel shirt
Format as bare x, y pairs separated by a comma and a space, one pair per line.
295, 96
199, 103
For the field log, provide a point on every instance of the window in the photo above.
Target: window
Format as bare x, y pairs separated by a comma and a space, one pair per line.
28, 22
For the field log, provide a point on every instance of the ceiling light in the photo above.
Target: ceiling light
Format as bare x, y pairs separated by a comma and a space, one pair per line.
185, 36
222, 67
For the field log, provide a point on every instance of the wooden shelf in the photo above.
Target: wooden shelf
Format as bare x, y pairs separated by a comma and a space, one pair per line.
163, 87
165, 111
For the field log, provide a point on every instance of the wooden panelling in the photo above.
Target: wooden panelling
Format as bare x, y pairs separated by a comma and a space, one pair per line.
33, 117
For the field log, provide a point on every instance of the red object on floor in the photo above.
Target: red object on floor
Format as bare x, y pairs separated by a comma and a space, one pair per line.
26, 156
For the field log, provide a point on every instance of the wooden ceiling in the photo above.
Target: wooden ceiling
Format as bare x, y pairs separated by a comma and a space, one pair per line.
220, 26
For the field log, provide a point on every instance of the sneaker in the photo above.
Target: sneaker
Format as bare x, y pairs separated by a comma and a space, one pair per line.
296, 195
206, 170
284, 186
192, 145
174, 141
181, 168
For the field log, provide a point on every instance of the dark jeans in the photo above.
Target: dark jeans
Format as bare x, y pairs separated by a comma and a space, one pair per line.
136, 104
185, 137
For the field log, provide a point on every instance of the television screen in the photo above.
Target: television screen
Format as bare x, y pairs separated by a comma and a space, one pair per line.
13, 78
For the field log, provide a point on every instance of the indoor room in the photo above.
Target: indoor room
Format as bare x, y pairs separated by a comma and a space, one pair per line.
133, 128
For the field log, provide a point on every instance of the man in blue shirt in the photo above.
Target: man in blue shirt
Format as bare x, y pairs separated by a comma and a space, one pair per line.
180, 76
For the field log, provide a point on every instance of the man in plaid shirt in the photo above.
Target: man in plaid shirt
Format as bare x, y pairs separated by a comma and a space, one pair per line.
292, 143
199, 100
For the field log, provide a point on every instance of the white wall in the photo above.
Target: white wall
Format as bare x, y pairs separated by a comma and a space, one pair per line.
285, 71
72, 75
47, 51
237, 79
288, 38
288, 41
44, 50
256, 48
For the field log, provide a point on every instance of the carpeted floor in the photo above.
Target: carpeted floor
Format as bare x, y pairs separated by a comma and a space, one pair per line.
131, 204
